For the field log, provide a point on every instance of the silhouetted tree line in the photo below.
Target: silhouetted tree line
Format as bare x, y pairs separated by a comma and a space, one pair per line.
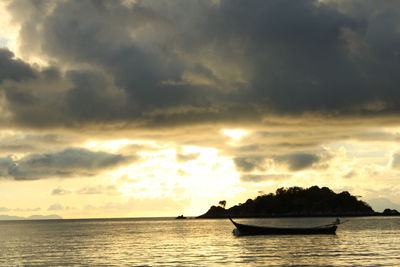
296, 201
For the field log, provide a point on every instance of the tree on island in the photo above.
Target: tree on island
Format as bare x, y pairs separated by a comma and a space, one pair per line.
222, 203
295, 201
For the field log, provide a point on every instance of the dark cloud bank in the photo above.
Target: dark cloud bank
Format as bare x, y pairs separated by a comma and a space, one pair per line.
293, 162
186, 62
71, 162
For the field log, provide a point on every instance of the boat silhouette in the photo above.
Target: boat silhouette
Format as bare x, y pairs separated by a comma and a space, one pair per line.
245, 229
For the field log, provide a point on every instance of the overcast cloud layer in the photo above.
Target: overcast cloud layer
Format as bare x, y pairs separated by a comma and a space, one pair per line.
186, 62
212, 96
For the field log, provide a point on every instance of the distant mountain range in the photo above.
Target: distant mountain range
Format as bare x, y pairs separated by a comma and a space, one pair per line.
33, 217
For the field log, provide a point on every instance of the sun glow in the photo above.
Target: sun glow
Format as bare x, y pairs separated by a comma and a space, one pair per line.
235, 134
189, 174
8, 32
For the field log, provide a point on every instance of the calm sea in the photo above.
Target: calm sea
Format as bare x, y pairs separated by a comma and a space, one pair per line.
373, 241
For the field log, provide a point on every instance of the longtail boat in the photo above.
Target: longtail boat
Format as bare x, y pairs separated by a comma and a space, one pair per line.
245, 229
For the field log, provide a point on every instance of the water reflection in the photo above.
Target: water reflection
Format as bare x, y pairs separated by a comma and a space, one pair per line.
360, 242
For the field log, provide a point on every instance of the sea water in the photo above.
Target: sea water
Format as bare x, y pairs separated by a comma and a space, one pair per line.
369, 241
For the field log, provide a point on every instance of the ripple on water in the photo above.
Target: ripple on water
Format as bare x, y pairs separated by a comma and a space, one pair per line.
360, 242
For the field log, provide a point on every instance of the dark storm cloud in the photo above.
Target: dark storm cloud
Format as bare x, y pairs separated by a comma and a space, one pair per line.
306, 56
92, 97
248, 164
293, 162
12, 68
68, 99
168, 63
102, 33
298, 161
71, 162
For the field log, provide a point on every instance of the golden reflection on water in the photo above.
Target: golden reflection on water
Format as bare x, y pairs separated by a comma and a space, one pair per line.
157, 242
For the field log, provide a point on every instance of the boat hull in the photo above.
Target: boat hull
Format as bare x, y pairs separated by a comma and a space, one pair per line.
244, 229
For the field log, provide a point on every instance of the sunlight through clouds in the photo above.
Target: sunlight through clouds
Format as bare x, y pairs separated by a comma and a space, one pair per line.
8, 31
160, 174
114, 104
235, 134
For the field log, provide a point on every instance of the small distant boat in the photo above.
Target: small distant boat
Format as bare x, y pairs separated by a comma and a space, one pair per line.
245, 229
180, 217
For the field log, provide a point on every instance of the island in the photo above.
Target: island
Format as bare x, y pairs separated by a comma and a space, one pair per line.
297, 202
390, 212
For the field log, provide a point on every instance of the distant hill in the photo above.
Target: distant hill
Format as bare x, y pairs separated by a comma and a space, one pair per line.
298, 202
380, 204
44, 217
33, 217
9, 217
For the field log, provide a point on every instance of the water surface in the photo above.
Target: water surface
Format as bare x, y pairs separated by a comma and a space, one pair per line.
369, 241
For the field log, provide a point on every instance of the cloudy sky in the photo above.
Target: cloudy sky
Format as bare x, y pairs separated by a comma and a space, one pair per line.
123, 108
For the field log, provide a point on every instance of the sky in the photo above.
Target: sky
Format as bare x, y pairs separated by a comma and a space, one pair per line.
130, 108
